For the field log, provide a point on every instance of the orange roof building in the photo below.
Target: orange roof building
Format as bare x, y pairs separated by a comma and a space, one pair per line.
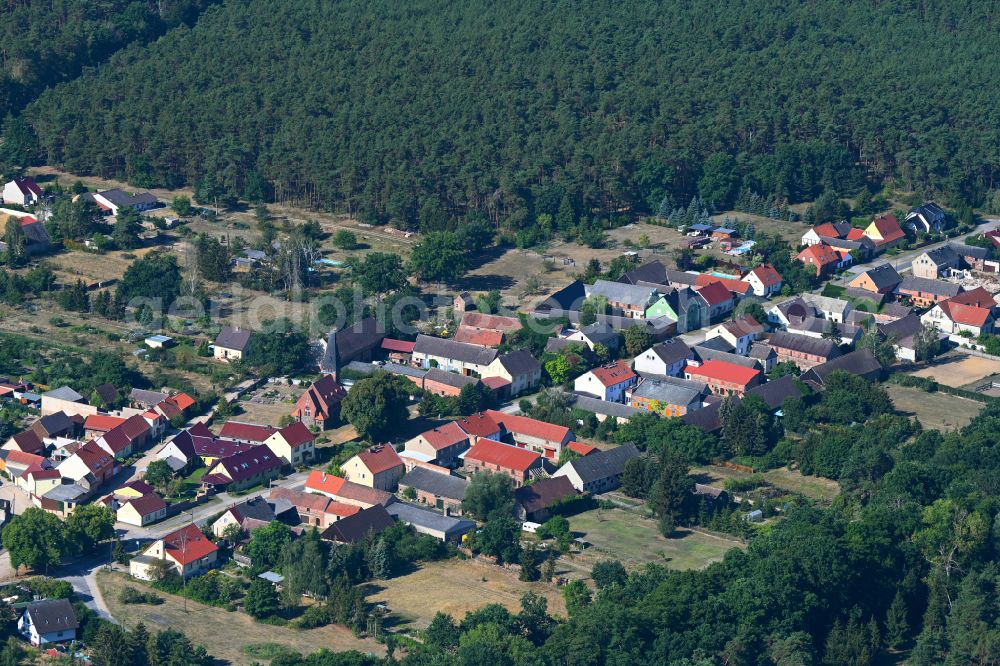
498, 458
821, 257
724, 378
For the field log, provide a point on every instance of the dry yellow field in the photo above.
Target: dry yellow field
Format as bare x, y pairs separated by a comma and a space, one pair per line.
959, 370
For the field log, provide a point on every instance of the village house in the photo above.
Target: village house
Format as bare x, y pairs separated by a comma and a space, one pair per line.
629, 300
442, 445
36, 236
490, 456
445, 492
114, 200
822, 258
96, 425
294, 444
924, 292
740, 333
64, 399
231, 343
765, 280
253, 467
885, 231
608, 382
804, 351
319, 406
724, 378
927, 218
89, 462
881, 279
251, 433
445, 383
423, 521
546, 439
26, 441
860, 362
463, 302
430, 352
669, 396
737, 287
535, 502
48, 621
485, 329
357, 342
377, 467
936, 263
354, 528
598, 333
347, 492
185, 552
827, 307
139, 511
719, 301
38, 480
665, 359
903, 333
127, 438
252, 513
15, 463
824, 232
314, 509
974, 312
519, 368
600, 472
22, 191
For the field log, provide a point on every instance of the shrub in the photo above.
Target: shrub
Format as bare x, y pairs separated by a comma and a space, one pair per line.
130, 595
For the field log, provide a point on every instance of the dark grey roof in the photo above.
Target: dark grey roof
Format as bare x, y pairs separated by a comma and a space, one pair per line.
431, 520
35, 232
718, 343
233, 338
435, 483
859, 362
761, 351
964, 250
876, 298
544, 494
354, 528
457, 351
567, 299
929, 286
707, 418
350, 342
107, 392
604, 464
804, 344
52, 615
257, 508
672, 351
943, 255
621, 292
776, 392
146, 398
556, 345
709, 354
449, 378
901, 330
520, 362
605, 408
897, 310
653, 272
601, 332
52, 424
122, 198
655, 326
930, 210
883, 276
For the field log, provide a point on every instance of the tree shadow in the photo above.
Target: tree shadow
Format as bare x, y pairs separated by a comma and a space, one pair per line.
485, 282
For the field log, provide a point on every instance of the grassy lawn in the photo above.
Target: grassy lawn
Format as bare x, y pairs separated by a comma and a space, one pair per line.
939, 411
455, 587
626, 536
790, 480
223, 633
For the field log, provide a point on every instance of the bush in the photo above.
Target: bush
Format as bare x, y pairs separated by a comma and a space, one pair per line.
130, 595
314, 616
746, 483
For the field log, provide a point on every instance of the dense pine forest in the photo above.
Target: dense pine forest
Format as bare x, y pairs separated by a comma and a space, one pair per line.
45, 42
404, 111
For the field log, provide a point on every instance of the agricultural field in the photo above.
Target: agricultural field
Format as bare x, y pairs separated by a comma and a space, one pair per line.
938, 411
635, 541
454, 587
224, 633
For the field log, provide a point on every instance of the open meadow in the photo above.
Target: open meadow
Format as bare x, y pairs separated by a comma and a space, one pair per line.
938, 411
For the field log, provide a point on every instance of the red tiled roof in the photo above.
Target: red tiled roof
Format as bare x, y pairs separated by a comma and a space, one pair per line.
613, 374
169, 409
94, 457
495, 382
182, 400
38, 472
827, 229
26, 458
732, 285
523, 425
445, 436
188, 544
297, 434
102, 422
139, 486
479, 425
888, 228
134, 426
581, 448
487, 338
341, 509
302, 500
322, 482
978, 297
246, 432
714, 293
821, 254
502, 455
247, 464
855, 234
380, 458
116, 440
404, 346
723, 371
28, 441
969, 315
494, 322
743, 326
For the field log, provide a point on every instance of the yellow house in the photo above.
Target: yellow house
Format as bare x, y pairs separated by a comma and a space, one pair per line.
186, 552
294, 444
519, 368
141, 511
378, 467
